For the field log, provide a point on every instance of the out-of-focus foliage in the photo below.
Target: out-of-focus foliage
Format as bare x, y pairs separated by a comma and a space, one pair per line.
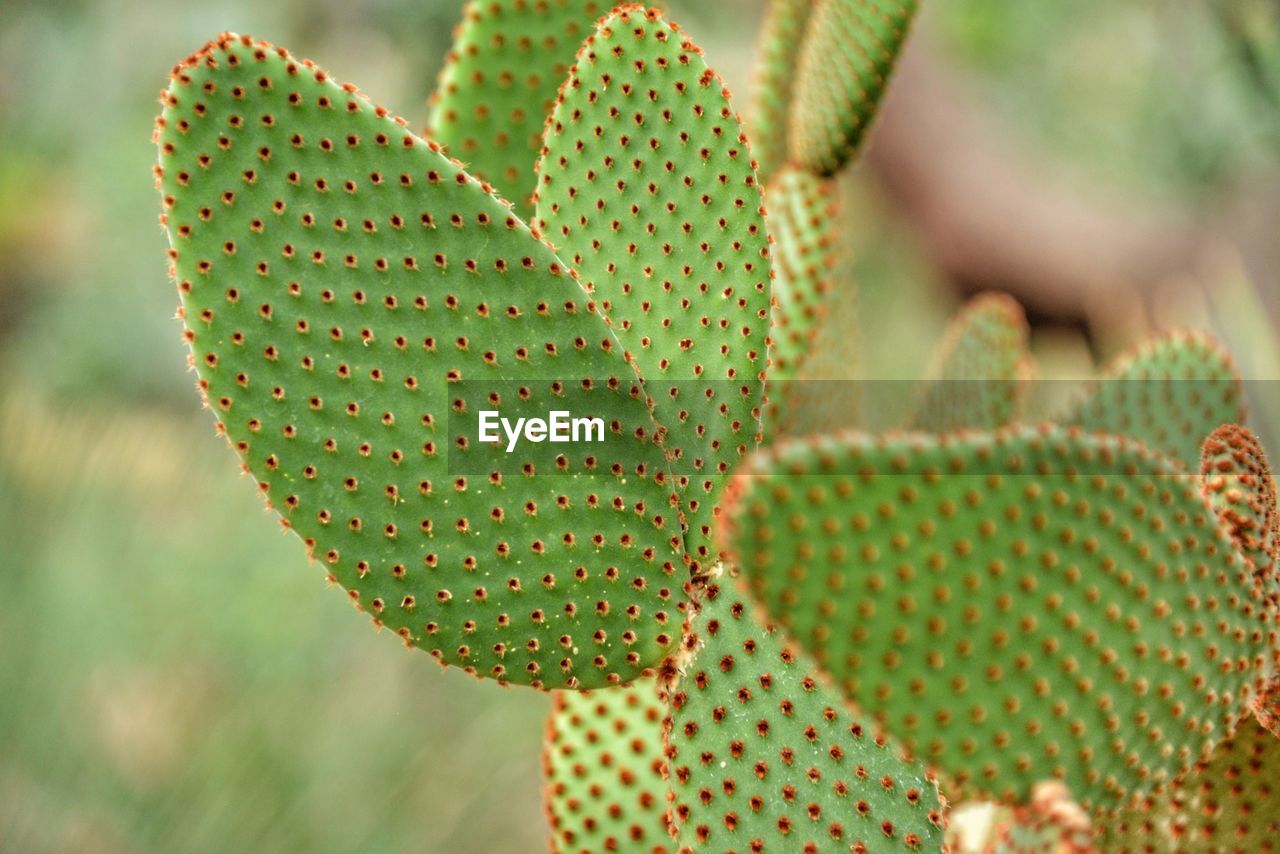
1144, 95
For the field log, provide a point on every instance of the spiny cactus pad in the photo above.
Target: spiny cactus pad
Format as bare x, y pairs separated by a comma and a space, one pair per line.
765, 757
981, 371
647, 188
1228, 804
604, 769
803, 214
1170, 392
781, 38
340, 279
1020, 606
814, 334
1238, 481
850, 47
499, 84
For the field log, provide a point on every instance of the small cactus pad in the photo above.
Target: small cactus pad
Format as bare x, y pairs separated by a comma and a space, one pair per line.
781, 37
604, 769
765, 757
1031, 604
981, 371
1227, 805
339, 279
646, 185
499, 84
1169, 392
849, 51
1239, 484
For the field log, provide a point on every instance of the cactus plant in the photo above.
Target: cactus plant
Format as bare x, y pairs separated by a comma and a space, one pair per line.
807, 646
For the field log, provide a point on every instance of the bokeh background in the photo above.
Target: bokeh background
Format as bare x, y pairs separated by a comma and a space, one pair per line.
175, 677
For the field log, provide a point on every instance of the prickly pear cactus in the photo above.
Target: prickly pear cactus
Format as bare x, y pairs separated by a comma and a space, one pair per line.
1015, 607
646, 187
340, 281
982, 370
781, 39
765, 757
602, 759
1169, 392
850, 47
499, 82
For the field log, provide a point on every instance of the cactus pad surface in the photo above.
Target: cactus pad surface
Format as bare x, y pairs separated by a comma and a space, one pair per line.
849, 51
981, 371
646, 187
1021, 606
604, 769
339, 279
499, 84
764, 756
1170, 392
781, 41
1228, 804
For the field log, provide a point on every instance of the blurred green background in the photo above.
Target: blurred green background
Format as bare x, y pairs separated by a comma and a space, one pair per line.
175, 677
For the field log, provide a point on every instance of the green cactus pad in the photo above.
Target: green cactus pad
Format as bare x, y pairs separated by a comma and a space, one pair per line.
340, 278
1170, 392
814, 309
1238, 481
499, 84
1228, 804
849, 51
781, 38
647, 188
765, 757
981, 371
803, 215
1020, 606
604, 768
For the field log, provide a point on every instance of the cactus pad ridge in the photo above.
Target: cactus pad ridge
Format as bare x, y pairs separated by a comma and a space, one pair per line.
781, 39
1033, 604
339, 278
647, 187
764, 756
850, 48
499, 83
602, 759
1170, 392
981, 371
